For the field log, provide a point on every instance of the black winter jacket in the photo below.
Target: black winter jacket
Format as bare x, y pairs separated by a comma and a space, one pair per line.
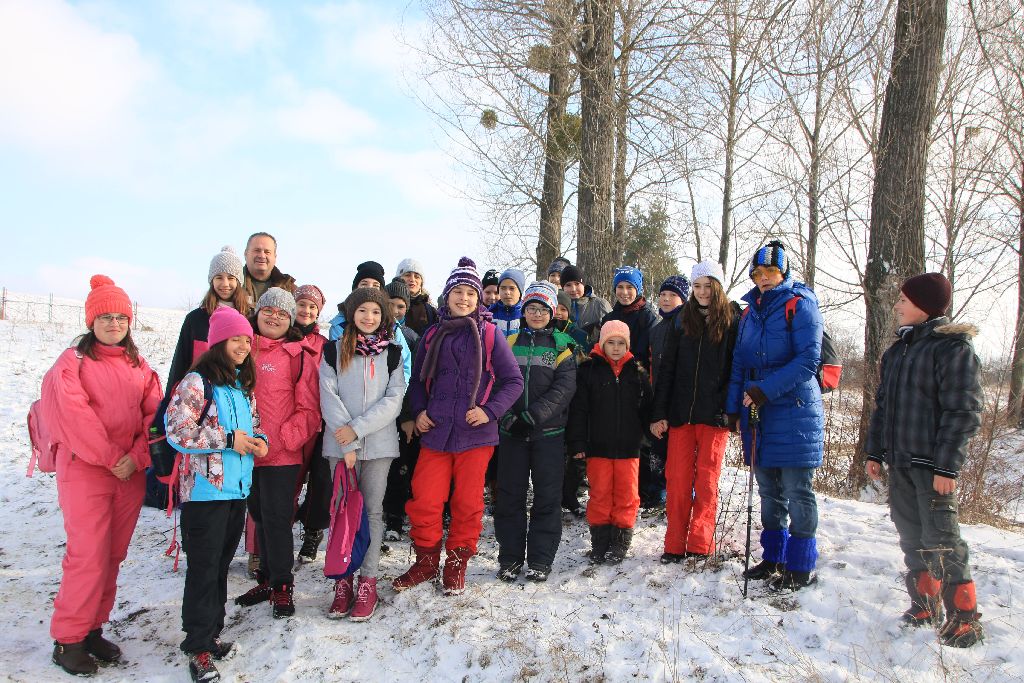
693, 382
546, 360
640, 323
195, 328
609, 415
928, 403
673, 322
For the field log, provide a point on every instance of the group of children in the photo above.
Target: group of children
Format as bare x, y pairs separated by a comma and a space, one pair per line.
413, 401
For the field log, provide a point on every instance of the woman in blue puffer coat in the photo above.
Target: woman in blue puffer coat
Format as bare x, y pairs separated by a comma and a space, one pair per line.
774, 368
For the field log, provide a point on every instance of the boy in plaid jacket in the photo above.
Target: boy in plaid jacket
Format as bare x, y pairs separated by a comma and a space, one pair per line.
927, 407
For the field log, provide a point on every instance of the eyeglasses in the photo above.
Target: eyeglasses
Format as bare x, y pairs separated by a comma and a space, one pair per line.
536, 310
108, 318
275, 313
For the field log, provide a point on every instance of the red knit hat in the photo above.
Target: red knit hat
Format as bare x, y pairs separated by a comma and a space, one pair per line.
106, 297
931, 292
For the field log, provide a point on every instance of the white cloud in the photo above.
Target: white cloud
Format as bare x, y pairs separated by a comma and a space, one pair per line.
324, 118
365, 37
423, 177
63, 82
232, 24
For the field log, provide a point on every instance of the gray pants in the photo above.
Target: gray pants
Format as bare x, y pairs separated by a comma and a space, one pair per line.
373, 480
927, 525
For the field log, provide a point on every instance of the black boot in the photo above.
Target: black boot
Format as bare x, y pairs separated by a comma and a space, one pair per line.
671, 558
201, 668
792, 581
311, 539
73, 658
600, 539
765, 569
101, 648
257, 594
621, 540
283, 600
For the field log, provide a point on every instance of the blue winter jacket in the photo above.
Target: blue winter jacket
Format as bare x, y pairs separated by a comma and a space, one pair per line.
338, 328
781, 360
507, 318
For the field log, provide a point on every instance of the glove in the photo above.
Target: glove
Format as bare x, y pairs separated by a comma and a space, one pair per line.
756, 395
733, 422
507, 420
520, 429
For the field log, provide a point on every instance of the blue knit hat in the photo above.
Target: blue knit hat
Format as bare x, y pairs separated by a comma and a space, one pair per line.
772, 254
517, 276
678, 284
629, 274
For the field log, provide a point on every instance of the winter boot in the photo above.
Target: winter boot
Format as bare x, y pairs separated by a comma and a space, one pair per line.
254, 566
774, 543
73, 658
962, 628
366, 600
222, 649
311, 539
101, 648
924, 598
538, 573
510, 572
425, 568
257, 594
200, 665
621, 540
671, 558
343, 599
600, 539
792, 581
455, 561
765, 569
801, 558
282, 600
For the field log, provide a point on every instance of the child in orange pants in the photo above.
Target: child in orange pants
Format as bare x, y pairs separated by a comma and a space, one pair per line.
608, 419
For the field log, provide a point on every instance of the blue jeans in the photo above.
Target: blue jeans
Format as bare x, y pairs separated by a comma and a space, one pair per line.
786, 492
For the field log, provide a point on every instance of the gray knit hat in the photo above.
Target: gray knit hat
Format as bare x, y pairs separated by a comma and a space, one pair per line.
226, 261
397, 289
409, 265
278, 298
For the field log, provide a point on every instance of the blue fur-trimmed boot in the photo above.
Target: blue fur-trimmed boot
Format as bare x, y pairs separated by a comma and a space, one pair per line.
773, 559
801, 558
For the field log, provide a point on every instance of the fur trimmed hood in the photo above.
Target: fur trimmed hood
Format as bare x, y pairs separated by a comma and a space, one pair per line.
966, 329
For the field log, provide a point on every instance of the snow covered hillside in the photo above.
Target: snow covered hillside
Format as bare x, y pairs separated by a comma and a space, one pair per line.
637, 621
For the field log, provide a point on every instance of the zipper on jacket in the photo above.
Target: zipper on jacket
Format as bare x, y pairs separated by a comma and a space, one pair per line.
618, 406
526, 377
892, 413
696, 373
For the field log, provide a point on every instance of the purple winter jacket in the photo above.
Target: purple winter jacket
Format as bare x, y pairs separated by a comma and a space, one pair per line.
448, 400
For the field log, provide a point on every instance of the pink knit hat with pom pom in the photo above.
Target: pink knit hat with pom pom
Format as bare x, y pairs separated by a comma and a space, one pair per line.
106, 297
226, 323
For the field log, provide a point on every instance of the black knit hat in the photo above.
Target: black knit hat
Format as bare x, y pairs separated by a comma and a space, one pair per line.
490, 278
397, 289
362, 295
772, 254
931, 292
369, 269
571, 274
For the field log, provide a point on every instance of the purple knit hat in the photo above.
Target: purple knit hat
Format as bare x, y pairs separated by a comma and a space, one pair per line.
464, 274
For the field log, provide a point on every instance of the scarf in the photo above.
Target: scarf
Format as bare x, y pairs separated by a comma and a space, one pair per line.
637, 304
451, 327
671, 313
371, 344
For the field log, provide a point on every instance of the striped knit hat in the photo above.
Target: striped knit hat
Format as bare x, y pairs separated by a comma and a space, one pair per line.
772, 254
464, 274
542, 292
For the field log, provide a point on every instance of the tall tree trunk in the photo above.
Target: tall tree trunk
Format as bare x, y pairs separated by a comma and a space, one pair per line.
896, 243
814, 189
1017, 371
594, 238
621, 131
730, 160
549, 242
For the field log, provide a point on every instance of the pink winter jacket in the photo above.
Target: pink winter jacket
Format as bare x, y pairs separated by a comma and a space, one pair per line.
99, 410
288, 393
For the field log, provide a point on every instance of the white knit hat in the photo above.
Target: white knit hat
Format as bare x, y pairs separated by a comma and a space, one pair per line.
225, 262
711, 269
409, 265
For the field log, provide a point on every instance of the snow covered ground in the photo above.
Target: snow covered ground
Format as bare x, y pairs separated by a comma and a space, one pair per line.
638, 621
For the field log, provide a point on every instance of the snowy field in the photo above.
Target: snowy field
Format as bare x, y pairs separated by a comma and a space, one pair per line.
638, 621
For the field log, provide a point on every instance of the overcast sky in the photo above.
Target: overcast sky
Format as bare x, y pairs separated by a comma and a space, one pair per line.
138, 138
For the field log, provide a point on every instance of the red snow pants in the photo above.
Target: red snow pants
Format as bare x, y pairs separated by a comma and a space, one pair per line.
433, 478
695, 454
100, 513
613, 491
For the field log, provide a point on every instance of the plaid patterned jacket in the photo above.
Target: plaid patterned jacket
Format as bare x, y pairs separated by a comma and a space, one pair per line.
928, 403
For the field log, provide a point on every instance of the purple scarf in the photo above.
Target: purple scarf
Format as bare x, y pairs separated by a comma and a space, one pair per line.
449, 326
371, 345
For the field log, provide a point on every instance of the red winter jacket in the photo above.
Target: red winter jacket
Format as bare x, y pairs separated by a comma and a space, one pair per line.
288, 394
100, 410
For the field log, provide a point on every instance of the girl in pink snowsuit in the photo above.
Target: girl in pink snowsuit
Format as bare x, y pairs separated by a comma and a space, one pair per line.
99, 399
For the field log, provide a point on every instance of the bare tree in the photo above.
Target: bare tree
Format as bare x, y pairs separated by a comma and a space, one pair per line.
896, 244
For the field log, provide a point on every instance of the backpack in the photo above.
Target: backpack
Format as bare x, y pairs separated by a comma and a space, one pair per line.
830, 365
44, 449
348, 538
394, 356
490, 330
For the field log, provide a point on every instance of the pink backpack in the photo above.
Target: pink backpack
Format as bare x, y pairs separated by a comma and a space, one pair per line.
44, 449
349, 535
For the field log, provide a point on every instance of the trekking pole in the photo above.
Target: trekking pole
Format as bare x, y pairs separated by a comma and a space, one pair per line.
753, 422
